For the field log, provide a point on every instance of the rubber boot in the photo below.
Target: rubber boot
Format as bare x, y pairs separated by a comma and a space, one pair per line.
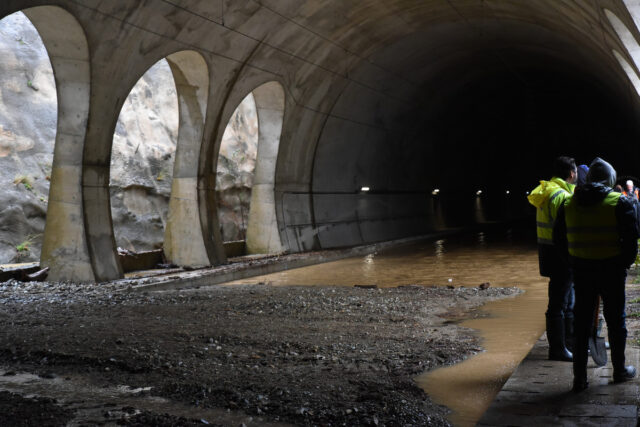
625, 374
555, 336
580, 383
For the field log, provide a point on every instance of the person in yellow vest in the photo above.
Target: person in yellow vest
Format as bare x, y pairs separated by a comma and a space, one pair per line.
547, 198
597, 229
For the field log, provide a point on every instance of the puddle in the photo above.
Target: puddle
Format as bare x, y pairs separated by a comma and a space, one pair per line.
509, 328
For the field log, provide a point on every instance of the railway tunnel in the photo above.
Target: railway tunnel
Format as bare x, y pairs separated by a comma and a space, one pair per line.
387, 119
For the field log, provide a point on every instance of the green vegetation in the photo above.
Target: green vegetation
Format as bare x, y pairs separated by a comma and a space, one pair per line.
635, 301
24, 180
24, 246
634, 315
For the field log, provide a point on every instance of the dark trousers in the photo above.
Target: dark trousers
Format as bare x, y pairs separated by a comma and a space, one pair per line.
609, 283
560, 295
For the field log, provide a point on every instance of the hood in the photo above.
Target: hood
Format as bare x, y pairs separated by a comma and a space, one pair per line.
591, 193
583, 170
602, 172
542, 192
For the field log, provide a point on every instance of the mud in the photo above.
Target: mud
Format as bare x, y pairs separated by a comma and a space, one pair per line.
230, 355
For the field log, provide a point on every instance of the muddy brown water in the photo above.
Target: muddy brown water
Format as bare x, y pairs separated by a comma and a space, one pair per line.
513, 325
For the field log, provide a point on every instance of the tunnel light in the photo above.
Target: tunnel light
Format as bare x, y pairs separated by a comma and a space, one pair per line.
364, 189
508, 192
479, 192
527, 193
435, 192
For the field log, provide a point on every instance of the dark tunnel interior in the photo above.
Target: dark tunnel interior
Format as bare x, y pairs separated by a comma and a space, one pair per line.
495, 103
501, 133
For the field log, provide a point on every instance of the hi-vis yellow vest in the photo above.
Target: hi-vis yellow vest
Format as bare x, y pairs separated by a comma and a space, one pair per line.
547, 198
592, 230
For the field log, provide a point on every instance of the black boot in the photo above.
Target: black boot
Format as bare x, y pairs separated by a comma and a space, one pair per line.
625, 374
555, 336
580, 384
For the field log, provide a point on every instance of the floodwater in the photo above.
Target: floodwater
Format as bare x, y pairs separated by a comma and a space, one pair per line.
505, 258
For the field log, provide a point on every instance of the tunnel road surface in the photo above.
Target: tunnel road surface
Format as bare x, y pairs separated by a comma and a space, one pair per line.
509, 328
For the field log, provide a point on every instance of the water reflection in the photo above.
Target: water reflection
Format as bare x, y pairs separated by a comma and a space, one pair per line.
503, 259
439, 249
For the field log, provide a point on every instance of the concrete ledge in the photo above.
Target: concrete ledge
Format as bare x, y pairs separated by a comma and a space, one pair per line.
539, 393
265, 265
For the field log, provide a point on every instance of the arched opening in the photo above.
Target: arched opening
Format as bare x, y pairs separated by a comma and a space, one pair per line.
45, 103
154, 169
235, 170
28, 118
144, 145
628, 69
245, 172
632, 46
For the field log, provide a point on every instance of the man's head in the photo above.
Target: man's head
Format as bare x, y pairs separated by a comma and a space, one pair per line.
629, 185
565, 167
601, 172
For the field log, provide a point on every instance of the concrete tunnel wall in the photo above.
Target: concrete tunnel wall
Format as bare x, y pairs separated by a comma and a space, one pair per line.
399, 96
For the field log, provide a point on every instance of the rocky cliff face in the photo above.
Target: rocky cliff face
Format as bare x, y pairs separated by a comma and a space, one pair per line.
142, 156
144, 145
234, 176
28, 117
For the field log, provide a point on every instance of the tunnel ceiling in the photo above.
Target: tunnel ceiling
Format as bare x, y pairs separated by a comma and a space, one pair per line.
429, 59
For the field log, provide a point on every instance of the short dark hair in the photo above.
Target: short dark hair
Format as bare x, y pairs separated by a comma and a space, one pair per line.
563, 166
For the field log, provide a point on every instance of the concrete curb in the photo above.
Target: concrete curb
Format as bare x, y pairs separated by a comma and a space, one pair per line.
228, 273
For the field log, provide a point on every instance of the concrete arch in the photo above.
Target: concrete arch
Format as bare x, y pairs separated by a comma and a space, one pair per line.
632, 46
262, 232
64, 248
242, 81
629, 70
184, 240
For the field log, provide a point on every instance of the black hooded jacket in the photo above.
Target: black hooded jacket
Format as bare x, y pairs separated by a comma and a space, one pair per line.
589, 195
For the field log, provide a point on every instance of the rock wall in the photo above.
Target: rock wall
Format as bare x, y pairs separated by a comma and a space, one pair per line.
234, 175
28, 117
142, 157
144, 146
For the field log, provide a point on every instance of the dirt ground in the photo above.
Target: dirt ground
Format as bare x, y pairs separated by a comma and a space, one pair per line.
228, 355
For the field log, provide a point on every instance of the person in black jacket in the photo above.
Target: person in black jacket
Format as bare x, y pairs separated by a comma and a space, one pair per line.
597, 229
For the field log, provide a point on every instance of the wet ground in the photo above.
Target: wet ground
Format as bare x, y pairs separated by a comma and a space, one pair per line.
277, 353
256, 354
507, 328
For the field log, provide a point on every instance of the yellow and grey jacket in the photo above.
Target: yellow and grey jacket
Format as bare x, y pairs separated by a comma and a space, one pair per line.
547, 198
597, 228
592, 230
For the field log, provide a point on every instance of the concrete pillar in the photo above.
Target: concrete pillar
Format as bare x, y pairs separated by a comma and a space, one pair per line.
64, 249
262, 232
184, 242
